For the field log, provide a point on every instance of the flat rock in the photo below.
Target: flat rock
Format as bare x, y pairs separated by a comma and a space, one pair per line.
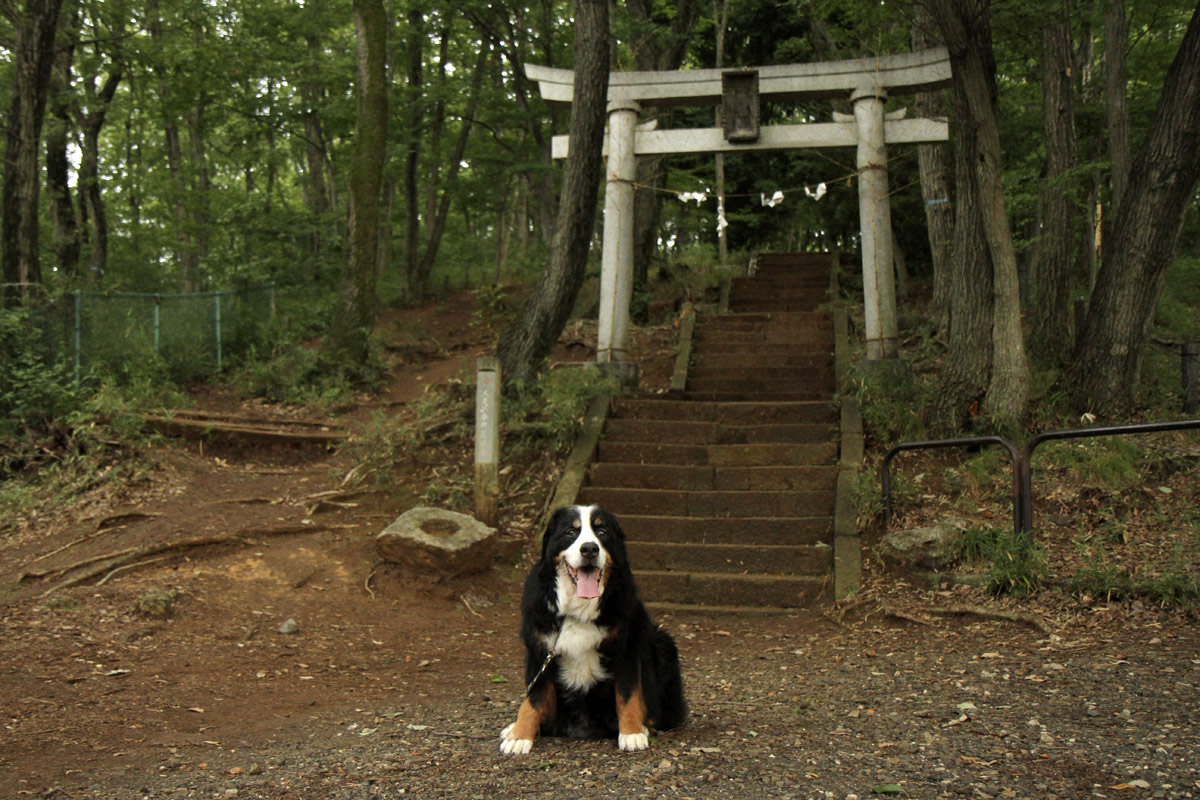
935, 547
443, 543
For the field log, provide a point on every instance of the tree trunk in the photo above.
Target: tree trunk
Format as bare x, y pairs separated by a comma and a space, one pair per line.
1107, 367
32, 54
439, 213
657, 46
412, 156
349, 342
58, 168
1116, 106
525, 345
186, 258
316, 191
935, 189
967, 34
968, 364
90, 123
1050, 314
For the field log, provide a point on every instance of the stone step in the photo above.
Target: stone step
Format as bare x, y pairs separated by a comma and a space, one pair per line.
821, 372
789, 291
770, 304
680, 434
806, 387
732, 558
798, 341
814, 322
760, 348
793, 531
720, 589
683, 477
795, 260
724, 503
722, 414
773, 359
757, 396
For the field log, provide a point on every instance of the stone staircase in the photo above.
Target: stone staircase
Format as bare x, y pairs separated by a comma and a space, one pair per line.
727, 492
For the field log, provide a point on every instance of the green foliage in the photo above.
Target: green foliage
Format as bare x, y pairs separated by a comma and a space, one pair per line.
1112, 463
1016, 563
549, 412
496, 308
888, 396
35, 388
1100, 578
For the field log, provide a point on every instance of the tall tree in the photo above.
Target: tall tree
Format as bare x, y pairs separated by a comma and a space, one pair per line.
349, 341
660, 39
1050, 313
1107, 367
966, 31
32, 52
58, 161
1116, 104
525, 345
935, 188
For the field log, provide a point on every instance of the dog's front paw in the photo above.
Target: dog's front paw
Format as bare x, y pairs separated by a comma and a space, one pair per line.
632, 742
511, 746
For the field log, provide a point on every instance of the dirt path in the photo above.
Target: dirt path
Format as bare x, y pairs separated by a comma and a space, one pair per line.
394, 684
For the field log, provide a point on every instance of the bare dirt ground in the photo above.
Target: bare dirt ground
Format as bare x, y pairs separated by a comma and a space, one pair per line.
173, 680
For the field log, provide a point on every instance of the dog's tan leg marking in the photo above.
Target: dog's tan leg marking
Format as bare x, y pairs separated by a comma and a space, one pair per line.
631, 721
517, 739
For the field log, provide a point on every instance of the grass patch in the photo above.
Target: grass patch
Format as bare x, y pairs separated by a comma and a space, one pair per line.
1016, 564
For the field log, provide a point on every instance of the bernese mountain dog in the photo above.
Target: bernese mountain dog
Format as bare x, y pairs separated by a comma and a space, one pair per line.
596, 665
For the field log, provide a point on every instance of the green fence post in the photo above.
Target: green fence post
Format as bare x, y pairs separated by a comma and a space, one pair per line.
78, 324
217, 297
157, 323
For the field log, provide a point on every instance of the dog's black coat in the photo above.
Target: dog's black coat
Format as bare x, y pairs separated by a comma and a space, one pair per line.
635, 649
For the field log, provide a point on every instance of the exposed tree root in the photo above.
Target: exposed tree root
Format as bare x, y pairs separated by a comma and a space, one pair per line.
991, 613
109, 564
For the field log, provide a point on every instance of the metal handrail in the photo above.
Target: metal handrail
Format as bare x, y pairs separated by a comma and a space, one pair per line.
886, 480
1025, 494
1021, 460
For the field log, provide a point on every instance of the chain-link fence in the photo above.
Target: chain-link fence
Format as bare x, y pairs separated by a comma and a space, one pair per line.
190, 335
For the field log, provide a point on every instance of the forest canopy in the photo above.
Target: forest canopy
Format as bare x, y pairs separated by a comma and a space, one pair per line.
187, 145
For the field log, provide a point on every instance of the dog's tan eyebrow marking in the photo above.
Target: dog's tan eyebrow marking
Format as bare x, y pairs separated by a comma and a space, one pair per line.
577, 523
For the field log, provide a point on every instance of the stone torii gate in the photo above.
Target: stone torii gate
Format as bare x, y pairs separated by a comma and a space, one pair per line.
866, 82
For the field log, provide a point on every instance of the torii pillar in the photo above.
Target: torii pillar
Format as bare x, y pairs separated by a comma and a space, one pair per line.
875, 219
616, 256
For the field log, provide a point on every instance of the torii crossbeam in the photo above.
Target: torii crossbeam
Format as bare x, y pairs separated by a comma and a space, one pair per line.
865, 81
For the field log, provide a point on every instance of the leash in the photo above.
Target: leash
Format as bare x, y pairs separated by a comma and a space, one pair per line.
550, 656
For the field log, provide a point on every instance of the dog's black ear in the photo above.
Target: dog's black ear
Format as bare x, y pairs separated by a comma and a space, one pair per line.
556, 522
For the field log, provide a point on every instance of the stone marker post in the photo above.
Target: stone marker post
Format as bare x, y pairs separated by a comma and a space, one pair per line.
487, 440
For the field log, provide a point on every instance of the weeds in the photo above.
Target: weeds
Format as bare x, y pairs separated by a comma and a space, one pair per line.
1016, 563
889, 396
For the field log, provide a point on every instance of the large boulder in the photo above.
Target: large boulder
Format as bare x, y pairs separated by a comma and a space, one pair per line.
444, 544
934, 548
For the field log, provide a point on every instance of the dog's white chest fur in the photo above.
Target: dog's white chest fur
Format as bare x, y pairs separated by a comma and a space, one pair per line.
578, 656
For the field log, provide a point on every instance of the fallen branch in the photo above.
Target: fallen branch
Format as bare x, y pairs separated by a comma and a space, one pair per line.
370, 575
990, 613
468, 605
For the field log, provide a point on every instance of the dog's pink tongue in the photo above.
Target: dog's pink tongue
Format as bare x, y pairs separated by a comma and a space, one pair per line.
587, 584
